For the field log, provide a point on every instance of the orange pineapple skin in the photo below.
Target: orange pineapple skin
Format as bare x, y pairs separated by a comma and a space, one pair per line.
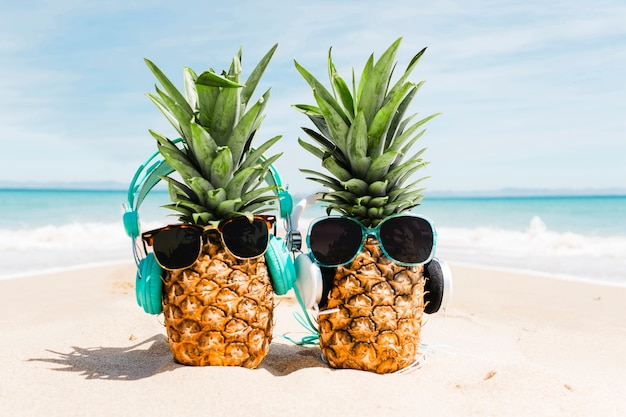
219, 311
377, 314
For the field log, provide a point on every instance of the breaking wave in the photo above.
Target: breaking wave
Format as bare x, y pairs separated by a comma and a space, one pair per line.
31, 250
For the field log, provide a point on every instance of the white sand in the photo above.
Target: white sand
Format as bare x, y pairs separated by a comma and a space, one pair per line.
76, 344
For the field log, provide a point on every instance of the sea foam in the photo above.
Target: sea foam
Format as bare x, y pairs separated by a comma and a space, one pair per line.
539, 249
26, 251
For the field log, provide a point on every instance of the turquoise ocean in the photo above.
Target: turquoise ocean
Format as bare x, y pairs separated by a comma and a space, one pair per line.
570, 237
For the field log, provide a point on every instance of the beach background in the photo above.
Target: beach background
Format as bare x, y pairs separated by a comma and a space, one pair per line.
526, 332
581, 237
525, 187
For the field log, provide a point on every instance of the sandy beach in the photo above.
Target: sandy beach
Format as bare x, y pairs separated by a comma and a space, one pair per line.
76, 344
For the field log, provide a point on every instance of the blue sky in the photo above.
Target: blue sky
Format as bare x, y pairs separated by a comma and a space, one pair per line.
533, 94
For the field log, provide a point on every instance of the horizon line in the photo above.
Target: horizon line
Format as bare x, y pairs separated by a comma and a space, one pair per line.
495, 192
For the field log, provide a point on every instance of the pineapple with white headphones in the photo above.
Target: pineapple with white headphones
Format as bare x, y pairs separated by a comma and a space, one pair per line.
376, 250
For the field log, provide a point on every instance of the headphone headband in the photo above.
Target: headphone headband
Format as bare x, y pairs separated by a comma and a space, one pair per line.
302, 205
149, 174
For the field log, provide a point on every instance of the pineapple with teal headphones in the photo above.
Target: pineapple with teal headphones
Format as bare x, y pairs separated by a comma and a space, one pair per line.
148, 280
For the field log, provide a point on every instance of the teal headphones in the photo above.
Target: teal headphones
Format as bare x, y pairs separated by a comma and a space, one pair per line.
148, 280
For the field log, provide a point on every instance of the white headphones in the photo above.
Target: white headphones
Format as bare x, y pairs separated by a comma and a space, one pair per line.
313, 282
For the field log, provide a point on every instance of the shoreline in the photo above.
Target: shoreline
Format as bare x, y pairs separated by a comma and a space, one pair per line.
64, 269
539, 274
506, 270
509, 344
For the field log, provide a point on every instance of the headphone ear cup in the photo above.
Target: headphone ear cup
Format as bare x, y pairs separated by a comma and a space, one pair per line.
148, 285
309, 281
280, 265
438, 287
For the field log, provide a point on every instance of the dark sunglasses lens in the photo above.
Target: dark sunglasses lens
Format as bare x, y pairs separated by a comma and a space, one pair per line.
244, 239
177, 247
407, 239
335, 241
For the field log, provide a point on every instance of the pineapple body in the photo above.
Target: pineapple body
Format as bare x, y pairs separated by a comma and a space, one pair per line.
219, 311
375, 318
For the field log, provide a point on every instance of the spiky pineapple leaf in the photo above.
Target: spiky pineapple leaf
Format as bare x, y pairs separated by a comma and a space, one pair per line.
395, 175
380, 165
315, 115
234, 71
182, 210
398, 142
235, 186
181, 190
401, 193
358, 139
399, 122
344, 196
261, 175
307, 109
215, 197
201, 187
204, 218
408, 199
373, 92
257, 153
203, 148
382, 121
191, 93
211, 79
412, 64
323, 94
222, 167
225, 114
253, 80
165, 110
175, 157
415, 157
400, 183
378, 188
312, 149
365, 75
261, 203
189, 206
227, 208
207, 96
336, 123
182, 117
321, 125
245, 127
340, 88
169, 87
356, 186
329, 181
327, 145
337, 169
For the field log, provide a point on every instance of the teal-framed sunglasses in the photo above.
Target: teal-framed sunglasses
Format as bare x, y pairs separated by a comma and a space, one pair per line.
406, 239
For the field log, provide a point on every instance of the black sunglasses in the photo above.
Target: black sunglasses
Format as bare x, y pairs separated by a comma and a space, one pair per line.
178, 246
406, 239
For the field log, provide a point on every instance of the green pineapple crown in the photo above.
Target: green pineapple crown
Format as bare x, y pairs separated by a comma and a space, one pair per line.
222, 175
363, 139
